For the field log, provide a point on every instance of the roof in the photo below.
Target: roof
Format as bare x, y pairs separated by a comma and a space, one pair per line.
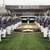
27, 7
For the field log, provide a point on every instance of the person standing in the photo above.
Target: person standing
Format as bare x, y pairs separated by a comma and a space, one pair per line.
49, 27
45, 27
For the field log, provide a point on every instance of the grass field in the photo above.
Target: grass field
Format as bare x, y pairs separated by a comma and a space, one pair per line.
25, 41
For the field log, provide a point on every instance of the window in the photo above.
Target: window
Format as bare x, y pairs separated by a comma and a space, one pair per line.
31, 21
24, 21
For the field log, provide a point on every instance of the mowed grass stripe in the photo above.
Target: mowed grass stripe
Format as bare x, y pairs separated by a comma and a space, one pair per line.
22, 41
31, 43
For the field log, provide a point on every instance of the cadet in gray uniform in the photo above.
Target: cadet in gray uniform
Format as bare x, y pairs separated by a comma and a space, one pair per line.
49, 27
8, 25
42, 23
0, 28
38, 21
18, 22
45, 30
13, 25
3, 22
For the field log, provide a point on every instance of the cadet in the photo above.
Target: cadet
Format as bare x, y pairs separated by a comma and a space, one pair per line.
45, 30
0, 28
8, 25
3, 22
49, 27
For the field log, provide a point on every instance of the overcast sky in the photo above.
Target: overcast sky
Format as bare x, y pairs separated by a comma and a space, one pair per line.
26, 2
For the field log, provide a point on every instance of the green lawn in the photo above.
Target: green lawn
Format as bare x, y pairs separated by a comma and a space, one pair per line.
25, 41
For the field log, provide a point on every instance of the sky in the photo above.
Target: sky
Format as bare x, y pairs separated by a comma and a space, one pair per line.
25, 2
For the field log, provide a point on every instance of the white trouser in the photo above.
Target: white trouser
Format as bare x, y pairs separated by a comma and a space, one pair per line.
0, 36
49, 33
45, 31
41, 28
8, 29
12, 27
15, 26
3, 32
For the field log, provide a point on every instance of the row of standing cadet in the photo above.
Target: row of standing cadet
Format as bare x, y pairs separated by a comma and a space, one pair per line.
44, 24
7, 25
